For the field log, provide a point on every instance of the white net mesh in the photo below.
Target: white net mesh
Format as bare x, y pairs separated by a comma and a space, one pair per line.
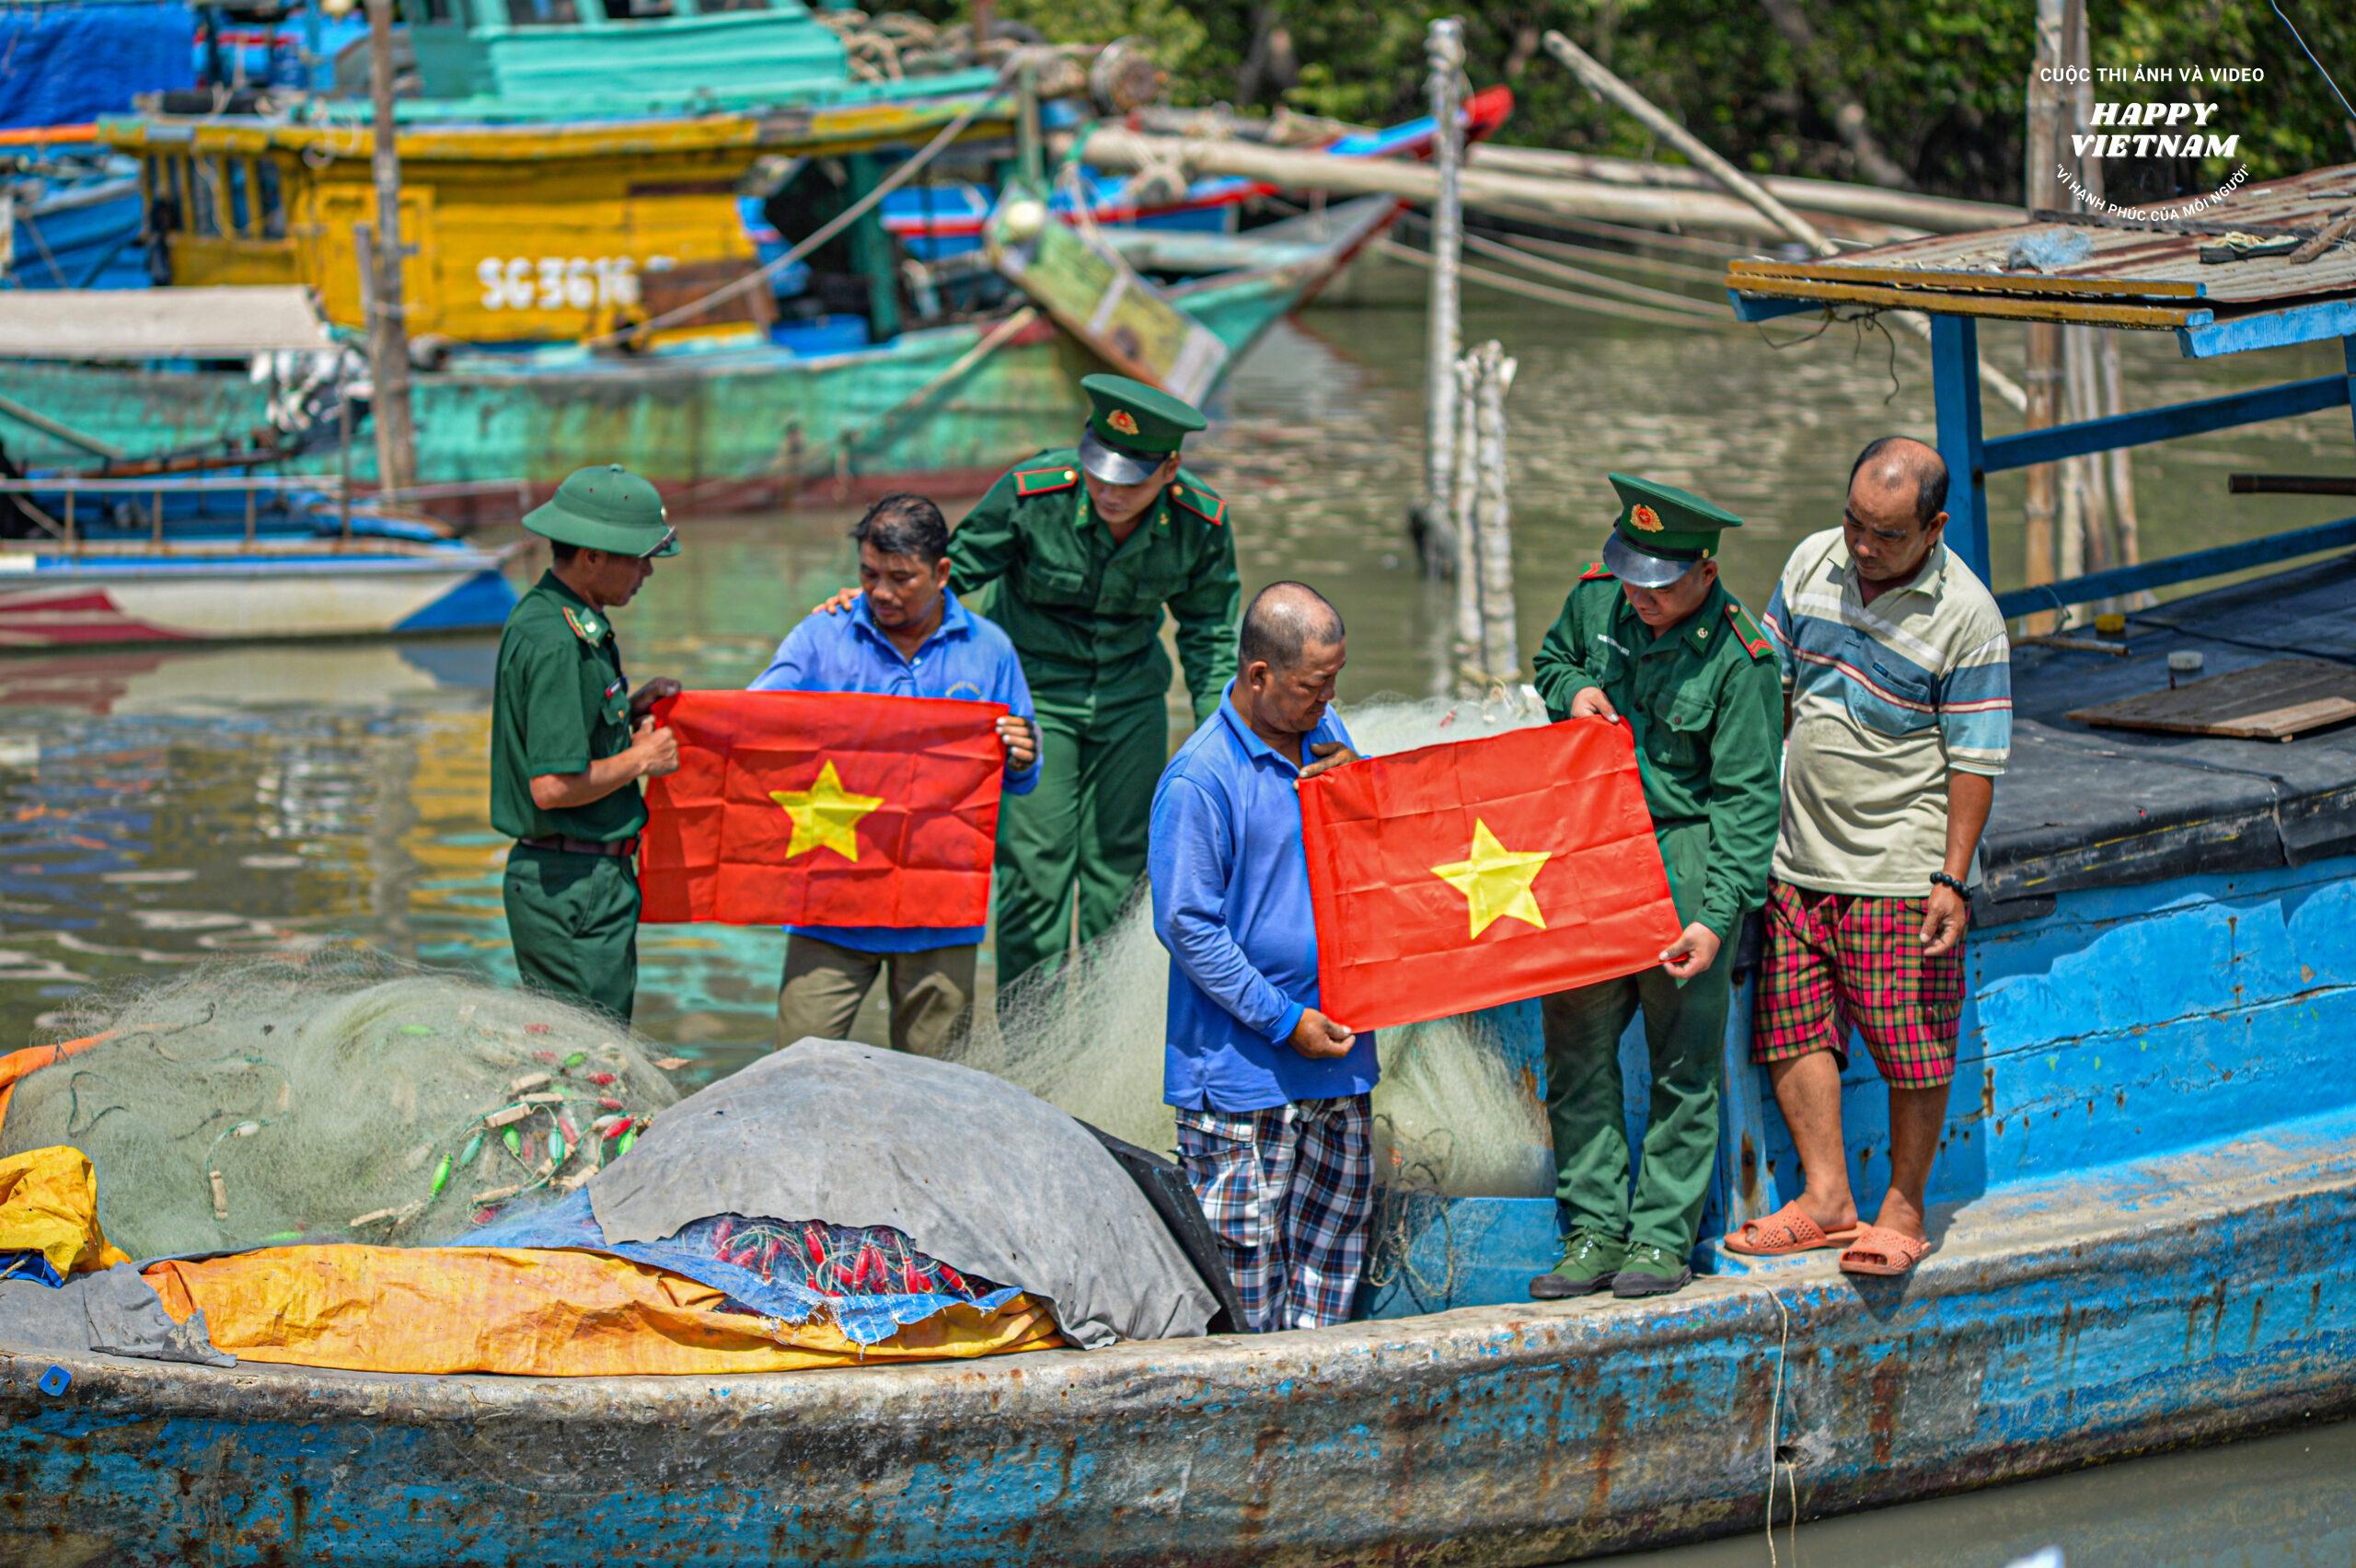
1452, 1114
339, 1097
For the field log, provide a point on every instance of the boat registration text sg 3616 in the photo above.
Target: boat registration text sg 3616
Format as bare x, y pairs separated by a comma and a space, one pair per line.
557, 283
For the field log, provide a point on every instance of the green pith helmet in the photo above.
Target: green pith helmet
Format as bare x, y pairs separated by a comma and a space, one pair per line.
1662, 532
605, 508
1131, 428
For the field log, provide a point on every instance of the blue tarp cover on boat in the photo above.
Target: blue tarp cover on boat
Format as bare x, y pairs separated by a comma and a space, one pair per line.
63, 64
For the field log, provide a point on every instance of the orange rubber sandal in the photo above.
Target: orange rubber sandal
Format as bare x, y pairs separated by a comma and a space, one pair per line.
1884, 1253
1785, 1232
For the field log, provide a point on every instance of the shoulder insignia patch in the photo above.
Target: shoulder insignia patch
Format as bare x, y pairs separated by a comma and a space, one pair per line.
586, 625
1201, 503
1595, 570
1029, 482
1746, 630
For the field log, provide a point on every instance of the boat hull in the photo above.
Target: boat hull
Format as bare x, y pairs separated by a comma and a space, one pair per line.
1488, 1435
57, 602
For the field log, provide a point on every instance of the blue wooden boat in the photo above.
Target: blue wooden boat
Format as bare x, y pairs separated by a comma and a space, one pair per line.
93, 563
2144, 1206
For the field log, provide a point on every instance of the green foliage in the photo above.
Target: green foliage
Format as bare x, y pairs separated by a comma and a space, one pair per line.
1940, 82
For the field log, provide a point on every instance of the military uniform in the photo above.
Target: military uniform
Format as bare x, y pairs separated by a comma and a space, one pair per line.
1085, 616
1704, 701
560, 701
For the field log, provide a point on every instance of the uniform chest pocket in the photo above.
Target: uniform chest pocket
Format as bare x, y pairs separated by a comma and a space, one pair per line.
1126, 594
1681, 736
607, 694
1892, 699
1047, 585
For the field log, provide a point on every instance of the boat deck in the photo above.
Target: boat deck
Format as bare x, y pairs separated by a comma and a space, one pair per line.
2083, 807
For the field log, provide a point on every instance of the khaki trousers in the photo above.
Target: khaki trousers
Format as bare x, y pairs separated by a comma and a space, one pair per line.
931, 992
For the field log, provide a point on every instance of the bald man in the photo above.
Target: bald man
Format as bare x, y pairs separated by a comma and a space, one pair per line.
1273, 1130
1900, 719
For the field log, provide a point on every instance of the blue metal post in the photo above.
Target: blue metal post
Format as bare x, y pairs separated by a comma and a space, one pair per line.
2348, 356
1955, 386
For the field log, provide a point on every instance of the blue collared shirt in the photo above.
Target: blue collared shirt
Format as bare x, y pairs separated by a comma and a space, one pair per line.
967, 656
1230, 902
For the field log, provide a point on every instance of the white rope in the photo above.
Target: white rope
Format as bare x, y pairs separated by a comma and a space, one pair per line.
824, 232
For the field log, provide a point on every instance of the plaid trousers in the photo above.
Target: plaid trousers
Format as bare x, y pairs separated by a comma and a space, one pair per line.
1287, 1191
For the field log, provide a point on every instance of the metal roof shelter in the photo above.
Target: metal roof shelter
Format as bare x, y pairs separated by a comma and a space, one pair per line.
2144, 270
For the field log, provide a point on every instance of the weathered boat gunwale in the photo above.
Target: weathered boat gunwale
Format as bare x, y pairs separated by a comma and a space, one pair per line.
2049, 1336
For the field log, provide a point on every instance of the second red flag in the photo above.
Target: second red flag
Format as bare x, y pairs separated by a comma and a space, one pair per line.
1457, 877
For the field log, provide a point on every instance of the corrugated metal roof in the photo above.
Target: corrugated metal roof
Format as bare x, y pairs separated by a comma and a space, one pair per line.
2138, 272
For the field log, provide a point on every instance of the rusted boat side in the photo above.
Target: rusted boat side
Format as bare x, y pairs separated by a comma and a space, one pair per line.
2167, 1302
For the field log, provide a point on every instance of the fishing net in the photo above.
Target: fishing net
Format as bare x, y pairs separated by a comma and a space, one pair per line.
338, 1096
1452, 1114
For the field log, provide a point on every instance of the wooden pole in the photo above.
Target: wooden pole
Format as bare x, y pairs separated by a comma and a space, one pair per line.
388, 331
1611, 89
1463, 514
1500, 649
1539, 198
2041, 187
1907, 208
1442, 549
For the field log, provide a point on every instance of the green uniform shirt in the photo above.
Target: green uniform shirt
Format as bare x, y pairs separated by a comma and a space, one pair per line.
1705, 705
559, 703
1085, 614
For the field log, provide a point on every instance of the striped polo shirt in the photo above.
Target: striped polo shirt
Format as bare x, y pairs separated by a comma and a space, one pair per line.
1886, 699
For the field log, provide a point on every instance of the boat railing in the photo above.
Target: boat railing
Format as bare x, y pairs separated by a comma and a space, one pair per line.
66, 526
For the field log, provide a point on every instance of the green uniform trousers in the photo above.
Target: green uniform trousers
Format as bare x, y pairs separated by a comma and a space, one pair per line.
931, 992
1082, 827
1685, 1030
574, 921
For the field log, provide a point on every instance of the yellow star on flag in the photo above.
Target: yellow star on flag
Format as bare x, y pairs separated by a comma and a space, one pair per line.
825, 814
1496, 881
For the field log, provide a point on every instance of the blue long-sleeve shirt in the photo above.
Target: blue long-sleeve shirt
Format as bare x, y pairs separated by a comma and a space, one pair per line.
1230, 903
967, 656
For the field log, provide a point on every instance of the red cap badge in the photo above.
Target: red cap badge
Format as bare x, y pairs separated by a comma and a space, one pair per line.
1645, 517
1122, 421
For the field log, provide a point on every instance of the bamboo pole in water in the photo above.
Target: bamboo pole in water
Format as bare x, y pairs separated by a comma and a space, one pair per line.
2041, 187
1463, 504
1500, 648
1442, 549
1601, 81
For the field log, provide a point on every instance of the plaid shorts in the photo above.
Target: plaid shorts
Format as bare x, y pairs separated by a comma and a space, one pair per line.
1287, 1191
1837, 960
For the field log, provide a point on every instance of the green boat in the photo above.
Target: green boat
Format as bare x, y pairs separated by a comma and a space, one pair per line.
564, 299
718, 425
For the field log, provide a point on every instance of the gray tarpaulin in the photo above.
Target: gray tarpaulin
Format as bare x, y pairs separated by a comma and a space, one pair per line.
112, 1311
984, 1176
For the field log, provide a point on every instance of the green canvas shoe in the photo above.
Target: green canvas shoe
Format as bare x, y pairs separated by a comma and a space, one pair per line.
1650, 1271
1590, 1261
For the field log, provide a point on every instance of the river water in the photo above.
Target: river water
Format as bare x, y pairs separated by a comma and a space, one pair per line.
163, 808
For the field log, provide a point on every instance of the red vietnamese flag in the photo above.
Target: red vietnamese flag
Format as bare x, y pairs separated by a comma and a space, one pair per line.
1464, 876
823, 809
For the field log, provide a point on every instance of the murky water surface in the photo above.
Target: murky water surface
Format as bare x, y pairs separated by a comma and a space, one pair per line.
159, 808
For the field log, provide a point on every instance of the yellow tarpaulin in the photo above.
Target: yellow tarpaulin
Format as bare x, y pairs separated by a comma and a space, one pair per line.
49, 1204
531, 1313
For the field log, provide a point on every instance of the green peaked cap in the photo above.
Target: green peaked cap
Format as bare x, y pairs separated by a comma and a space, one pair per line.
1132, 428
605, 508
1661, 532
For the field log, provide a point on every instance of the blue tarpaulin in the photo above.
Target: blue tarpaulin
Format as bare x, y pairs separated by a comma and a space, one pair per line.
862, 1319
64, 64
